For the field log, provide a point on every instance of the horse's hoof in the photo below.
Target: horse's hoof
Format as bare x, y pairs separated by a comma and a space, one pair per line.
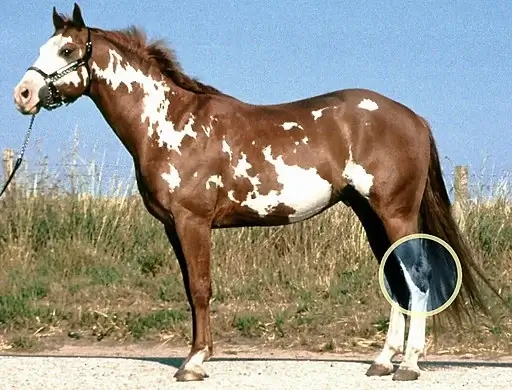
377, 369
406, 374
196, 374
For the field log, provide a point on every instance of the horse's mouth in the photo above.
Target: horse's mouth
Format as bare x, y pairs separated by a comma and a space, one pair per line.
29, 111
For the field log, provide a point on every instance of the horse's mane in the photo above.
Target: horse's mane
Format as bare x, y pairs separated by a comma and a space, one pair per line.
134, 40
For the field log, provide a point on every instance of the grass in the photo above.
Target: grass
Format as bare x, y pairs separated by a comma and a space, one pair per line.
77, 267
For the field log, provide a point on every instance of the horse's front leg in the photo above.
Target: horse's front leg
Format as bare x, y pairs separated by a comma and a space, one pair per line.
190, 238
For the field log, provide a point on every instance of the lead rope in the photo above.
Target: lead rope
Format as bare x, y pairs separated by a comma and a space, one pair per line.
20, 155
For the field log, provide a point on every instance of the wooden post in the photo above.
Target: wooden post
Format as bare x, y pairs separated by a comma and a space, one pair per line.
461, 183
461, 193
8, 164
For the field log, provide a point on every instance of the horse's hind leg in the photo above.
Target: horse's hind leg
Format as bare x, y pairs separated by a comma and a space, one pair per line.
396, 228
381, 232
379, 243
393, 345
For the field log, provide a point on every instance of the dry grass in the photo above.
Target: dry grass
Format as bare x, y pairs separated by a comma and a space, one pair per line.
90, 268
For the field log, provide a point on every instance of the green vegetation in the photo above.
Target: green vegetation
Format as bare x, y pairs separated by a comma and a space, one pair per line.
76, 267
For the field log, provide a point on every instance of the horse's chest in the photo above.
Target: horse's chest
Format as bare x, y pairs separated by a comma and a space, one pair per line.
155, 197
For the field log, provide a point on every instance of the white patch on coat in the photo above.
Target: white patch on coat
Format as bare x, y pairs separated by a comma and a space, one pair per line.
172, 139
356, 175
214, 180
305, 140
368, 104
242, 167
207, 130
155, 102
318, 113
172, 178
49, 61
302, 189
253, 143
227, 149
231, 196
195, 174
290, 125
241, 170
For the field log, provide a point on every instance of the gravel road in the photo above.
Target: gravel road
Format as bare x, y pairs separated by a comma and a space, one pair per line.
238, 372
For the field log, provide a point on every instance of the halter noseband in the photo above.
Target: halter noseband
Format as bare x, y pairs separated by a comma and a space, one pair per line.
49, 95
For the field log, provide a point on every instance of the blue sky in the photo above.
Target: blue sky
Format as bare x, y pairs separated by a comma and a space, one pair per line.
450, 61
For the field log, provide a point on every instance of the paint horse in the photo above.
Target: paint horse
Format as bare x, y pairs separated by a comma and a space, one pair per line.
206, 160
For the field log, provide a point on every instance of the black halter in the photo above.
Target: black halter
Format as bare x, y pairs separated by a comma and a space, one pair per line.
49, 95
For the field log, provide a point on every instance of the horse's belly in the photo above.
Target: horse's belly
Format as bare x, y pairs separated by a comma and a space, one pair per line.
302, 194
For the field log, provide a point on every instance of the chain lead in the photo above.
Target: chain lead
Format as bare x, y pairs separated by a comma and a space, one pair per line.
20, 155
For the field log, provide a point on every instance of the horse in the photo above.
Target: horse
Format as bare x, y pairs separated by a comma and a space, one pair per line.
206, 160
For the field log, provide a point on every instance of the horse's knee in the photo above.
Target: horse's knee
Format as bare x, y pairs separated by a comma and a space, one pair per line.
201, 292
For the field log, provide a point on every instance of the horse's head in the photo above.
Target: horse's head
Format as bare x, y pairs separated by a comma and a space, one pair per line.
61, 73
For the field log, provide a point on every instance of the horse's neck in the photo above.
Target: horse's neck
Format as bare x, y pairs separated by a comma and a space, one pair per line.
133, 100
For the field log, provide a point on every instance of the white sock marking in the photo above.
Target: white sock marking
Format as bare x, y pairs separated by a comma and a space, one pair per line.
394, 343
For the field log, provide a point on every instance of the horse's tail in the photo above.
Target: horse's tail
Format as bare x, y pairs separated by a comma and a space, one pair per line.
436, 219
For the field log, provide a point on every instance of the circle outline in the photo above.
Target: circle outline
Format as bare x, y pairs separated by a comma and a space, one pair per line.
455, 258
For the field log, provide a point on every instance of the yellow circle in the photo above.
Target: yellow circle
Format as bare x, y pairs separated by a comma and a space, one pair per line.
457, 264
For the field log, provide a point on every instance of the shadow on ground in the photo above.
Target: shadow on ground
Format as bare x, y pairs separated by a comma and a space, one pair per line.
176, 361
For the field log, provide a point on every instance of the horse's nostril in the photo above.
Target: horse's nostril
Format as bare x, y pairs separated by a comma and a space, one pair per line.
25, 93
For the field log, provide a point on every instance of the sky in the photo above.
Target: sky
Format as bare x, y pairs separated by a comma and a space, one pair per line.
450, 61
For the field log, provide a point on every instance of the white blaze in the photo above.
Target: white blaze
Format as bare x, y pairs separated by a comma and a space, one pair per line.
49, 61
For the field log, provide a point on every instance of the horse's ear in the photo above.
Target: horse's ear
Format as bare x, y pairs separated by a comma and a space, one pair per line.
58, 21
77, 16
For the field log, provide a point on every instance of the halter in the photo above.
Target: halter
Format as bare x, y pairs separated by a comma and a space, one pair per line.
49, 95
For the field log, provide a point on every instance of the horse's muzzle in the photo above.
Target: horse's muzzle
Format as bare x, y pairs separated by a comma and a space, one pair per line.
25, 100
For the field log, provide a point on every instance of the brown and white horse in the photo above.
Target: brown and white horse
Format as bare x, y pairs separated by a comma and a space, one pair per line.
206, 160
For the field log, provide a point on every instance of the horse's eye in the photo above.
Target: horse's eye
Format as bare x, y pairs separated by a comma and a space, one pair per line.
66, 52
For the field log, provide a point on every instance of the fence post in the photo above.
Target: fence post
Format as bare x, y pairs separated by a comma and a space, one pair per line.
461, 192
8, 165
461, 183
